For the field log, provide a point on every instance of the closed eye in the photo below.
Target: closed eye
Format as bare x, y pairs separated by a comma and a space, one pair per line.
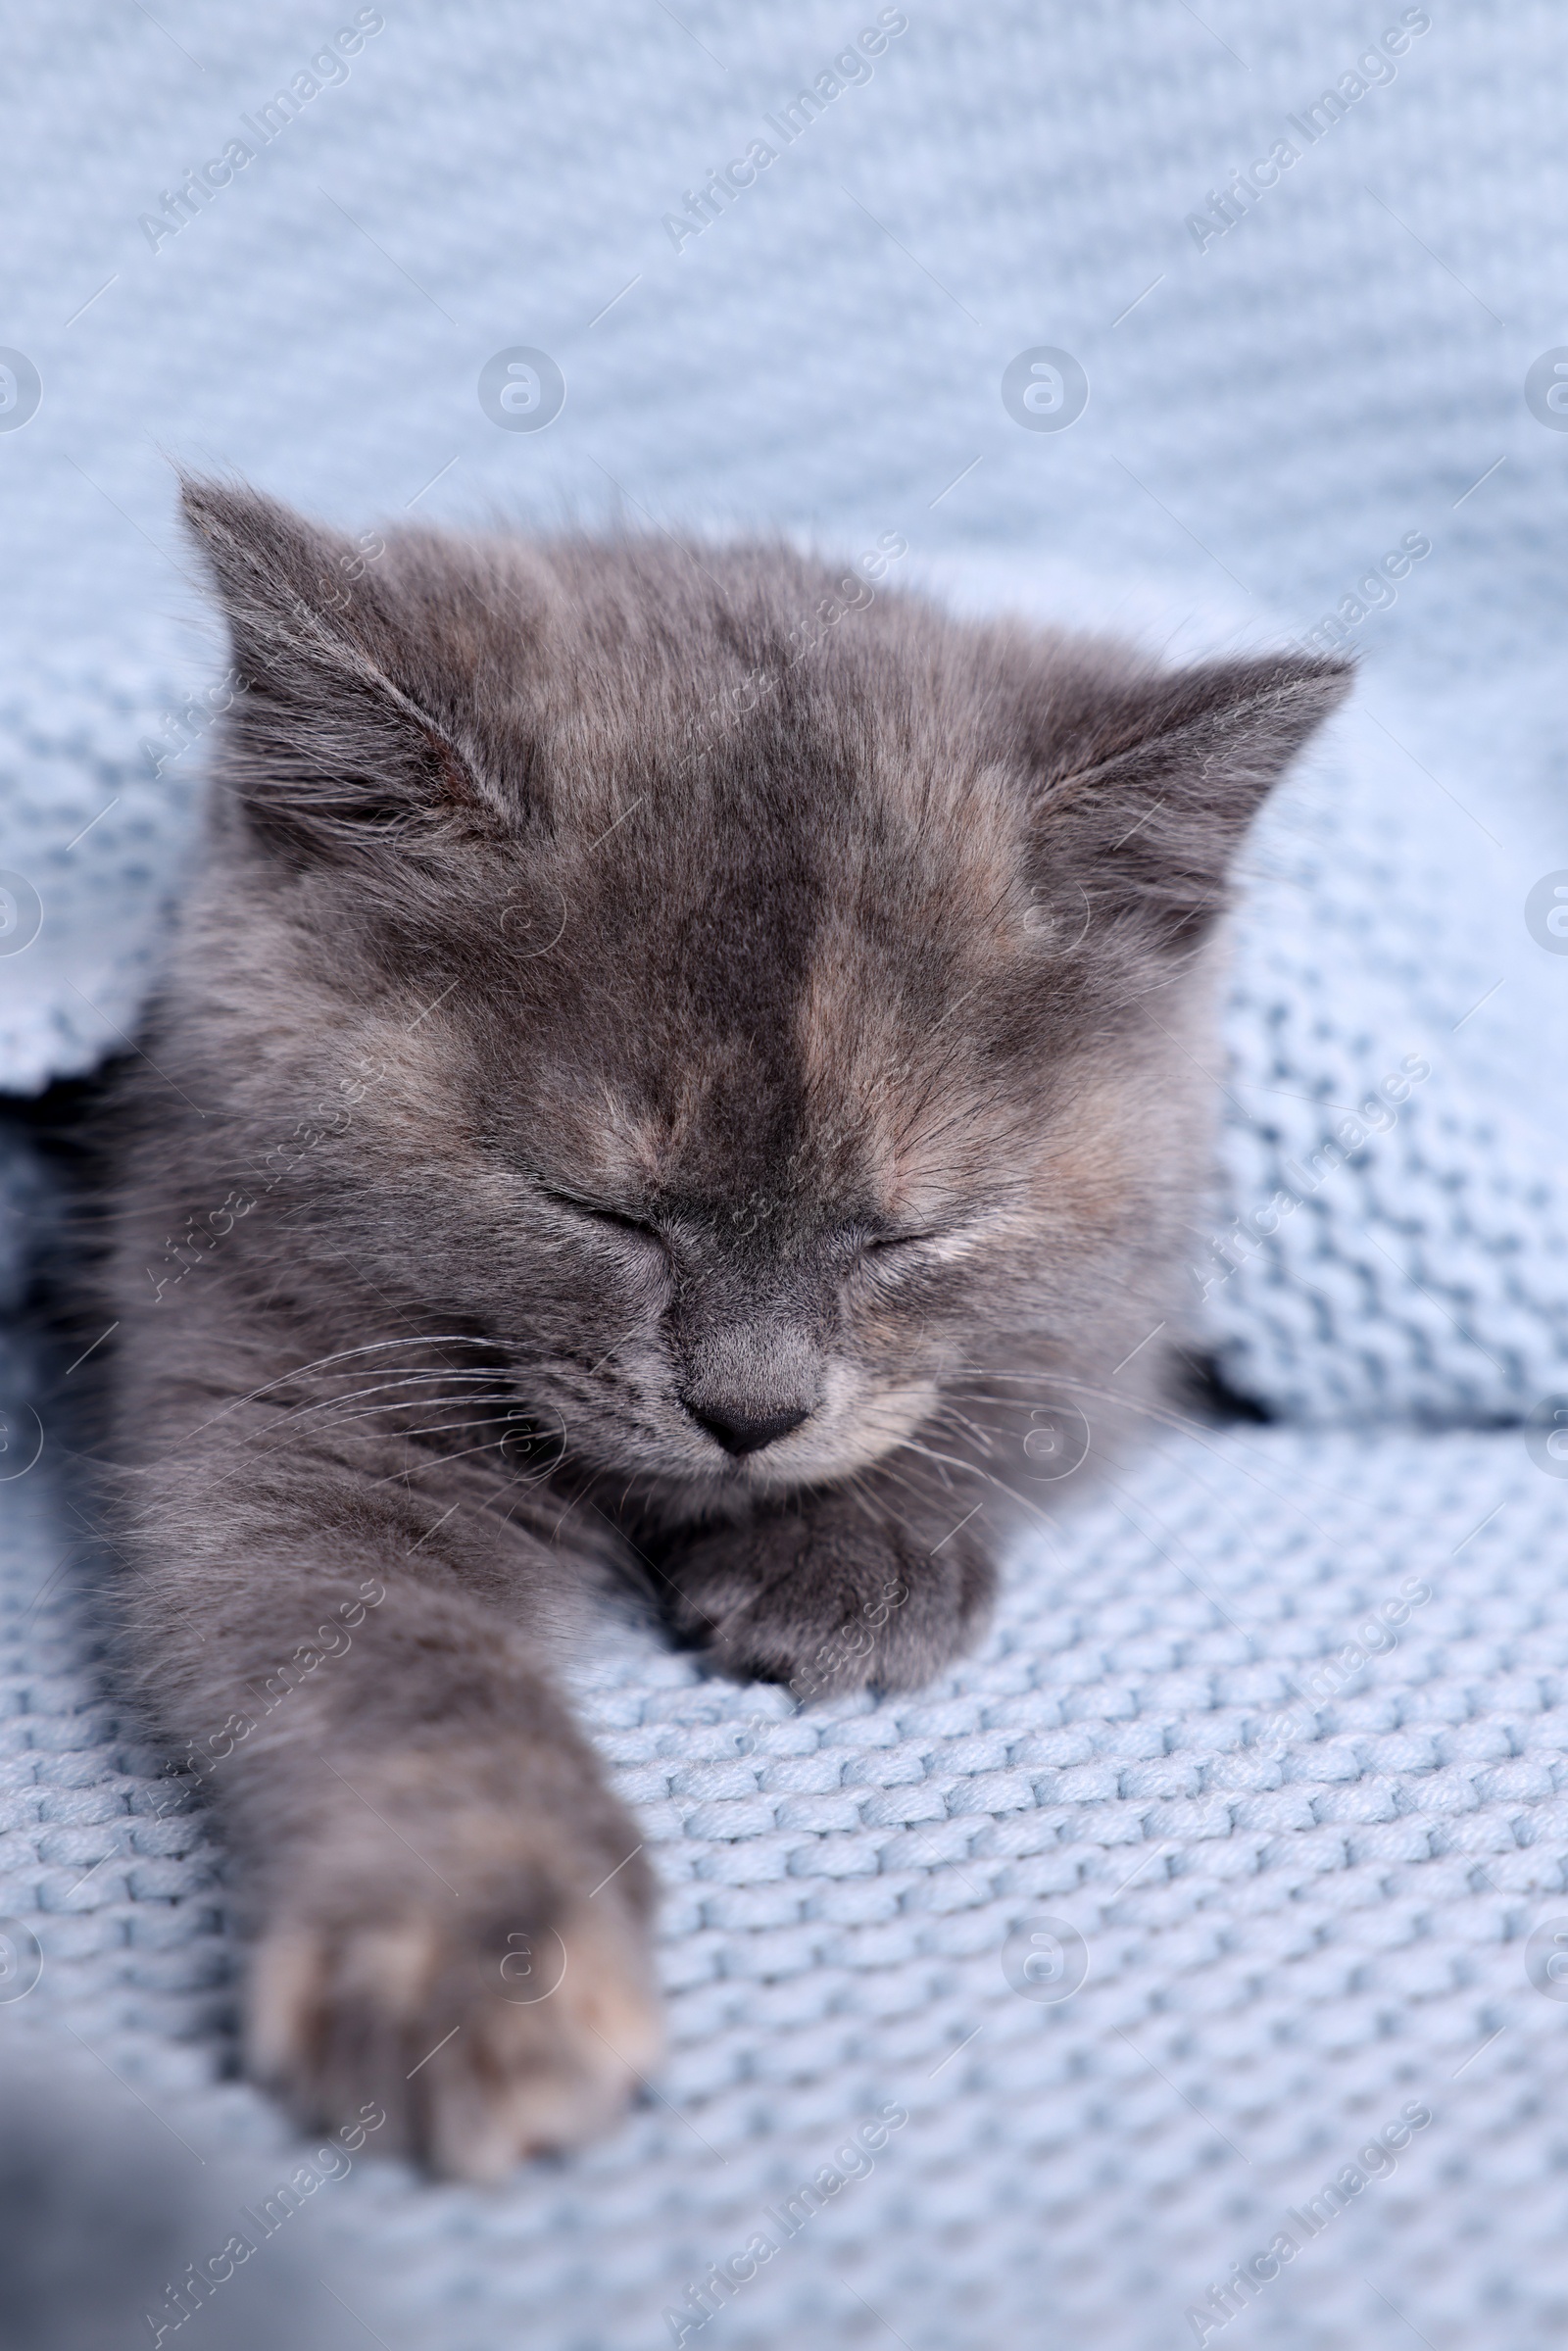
620, 1219
887, 1241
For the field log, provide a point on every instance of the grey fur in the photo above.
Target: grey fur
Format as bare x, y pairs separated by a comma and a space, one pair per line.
620, 996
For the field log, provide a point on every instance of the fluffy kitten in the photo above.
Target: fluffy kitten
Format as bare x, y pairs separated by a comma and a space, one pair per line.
675, 1063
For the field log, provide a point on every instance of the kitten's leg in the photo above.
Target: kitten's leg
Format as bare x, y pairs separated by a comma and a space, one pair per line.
877, 1584
449, 1910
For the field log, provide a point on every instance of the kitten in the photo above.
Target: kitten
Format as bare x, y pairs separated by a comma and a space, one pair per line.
675, 1063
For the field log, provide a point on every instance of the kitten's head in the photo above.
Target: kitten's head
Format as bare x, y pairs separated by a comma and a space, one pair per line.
768, 1005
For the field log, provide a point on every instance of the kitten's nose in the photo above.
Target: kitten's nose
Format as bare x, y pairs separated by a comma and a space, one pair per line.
741, 1432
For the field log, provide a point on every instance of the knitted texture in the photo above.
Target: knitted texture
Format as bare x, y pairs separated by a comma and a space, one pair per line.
1387, 1242
1302, 1889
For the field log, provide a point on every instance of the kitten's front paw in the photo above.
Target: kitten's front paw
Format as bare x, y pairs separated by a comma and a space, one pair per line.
489, 1999
827, 1600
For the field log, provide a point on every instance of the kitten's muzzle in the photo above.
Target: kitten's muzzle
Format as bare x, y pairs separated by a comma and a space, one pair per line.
749, 1381
741, 1432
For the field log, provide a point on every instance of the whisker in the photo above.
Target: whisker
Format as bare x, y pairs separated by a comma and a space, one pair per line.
972, 1469
394, 1404
455, 1428
421, 1469
1167, 1417
424, 1403
343, 1356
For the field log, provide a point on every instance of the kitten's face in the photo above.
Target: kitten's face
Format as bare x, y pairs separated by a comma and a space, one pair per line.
754, 1026
742, 1124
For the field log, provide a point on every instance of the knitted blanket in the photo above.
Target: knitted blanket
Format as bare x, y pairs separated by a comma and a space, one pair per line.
1201, 1929
1242, 1840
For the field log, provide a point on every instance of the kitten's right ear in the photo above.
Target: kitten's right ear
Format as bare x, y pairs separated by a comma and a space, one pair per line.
347, 728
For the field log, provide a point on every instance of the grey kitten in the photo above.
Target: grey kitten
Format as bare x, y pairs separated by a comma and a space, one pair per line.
678, 1063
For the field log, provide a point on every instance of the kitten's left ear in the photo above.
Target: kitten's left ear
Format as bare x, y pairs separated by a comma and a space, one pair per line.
1147, 783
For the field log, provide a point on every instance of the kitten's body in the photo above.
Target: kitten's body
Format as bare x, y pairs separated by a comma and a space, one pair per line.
654, 1077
